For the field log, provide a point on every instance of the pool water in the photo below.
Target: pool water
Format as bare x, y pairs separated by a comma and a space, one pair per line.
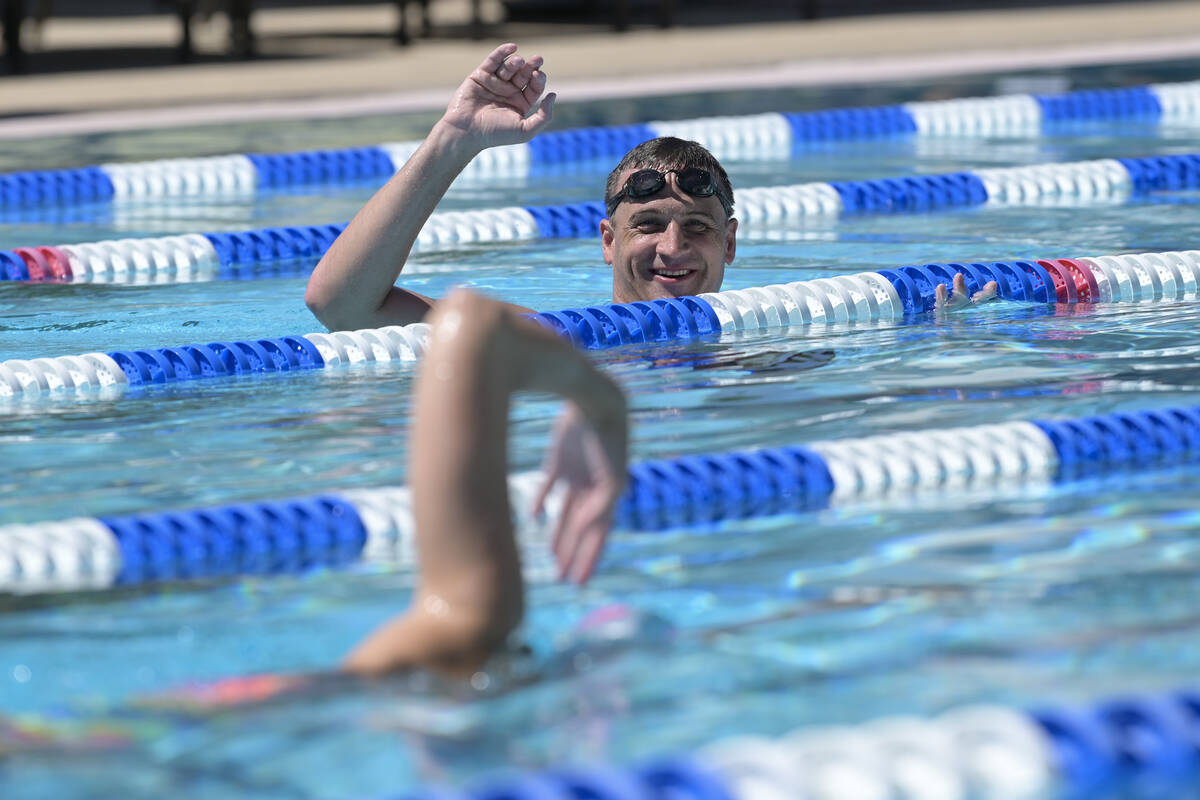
1017, 595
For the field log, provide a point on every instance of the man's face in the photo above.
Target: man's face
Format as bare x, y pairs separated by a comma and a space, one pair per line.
669, 244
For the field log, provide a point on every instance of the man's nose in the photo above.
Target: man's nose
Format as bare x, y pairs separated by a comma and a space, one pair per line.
672, 239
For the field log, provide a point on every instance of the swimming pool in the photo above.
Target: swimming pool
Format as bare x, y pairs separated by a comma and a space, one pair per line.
1017, 595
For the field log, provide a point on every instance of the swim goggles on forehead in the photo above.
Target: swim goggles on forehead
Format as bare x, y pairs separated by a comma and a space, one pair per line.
646, 182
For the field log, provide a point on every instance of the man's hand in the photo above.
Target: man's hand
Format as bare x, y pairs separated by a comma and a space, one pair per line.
494, 105
960, 298
593, 465
353, 286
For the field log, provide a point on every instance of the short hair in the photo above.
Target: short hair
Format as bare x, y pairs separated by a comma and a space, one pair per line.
669, 152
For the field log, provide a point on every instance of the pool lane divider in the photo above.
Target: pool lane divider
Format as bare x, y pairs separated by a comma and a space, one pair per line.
759, 136
1100, 748
205, 255
377, 525
885, 295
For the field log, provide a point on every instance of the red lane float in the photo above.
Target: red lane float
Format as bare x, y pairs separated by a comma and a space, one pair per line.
1064, 282
46, 263
1086, 285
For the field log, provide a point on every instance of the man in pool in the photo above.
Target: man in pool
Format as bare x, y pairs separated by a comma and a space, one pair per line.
670, 229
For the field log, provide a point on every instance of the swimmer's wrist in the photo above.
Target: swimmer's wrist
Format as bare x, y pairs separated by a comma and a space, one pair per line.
451, 140
538, 360
602, 402
608, 413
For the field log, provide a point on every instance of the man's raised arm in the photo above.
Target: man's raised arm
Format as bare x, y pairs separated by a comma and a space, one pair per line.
352, 286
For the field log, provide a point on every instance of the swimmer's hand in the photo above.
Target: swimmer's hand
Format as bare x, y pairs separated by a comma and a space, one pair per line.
960, 298
592, 462
496, 104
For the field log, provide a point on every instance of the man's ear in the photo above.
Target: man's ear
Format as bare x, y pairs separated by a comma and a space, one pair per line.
730, 240
608, 236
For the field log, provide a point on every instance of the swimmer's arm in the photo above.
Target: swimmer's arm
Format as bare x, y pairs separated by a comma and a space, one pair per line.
352, 286
470, 594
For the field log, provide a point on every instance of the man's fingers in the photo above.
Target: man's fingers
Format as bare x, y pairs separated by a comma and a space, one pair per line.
562, 544
945, 300
534, 86
495, 84
960, 298
988, 292
566, 554
511, 66
552, 471
522, 77
584, 539
540, 118
590, 548
539, 500
496, 58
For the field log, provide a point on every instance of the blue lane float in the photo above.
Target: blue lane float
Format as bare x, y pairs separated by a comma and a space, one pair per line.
215, 359
585, 144
749, 137
55, 187
200, 256
848, 124
260, 538
298, 534
279, 170
868, 297
1139, 102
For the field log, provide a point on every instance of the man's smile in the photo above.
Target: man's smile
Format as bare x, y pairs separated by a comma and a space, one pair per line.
670, 276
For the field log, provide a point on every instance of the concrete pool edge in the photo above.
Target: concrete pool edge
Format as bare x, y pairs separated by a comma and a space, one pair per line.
849, 70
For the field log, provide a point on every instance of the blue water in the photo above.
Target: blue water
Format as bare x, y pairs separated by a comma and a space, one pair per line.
1018, 596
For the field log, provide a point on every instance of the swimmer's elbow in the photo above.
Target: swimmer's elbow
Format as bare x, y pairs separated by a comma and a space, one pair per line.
479, 640
314, 301
324, 305
475, 629
477, 315
457, 642
480, 325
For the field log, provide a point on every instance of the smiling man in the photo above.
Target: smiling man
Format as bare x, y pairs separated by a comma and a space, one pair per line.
670, 229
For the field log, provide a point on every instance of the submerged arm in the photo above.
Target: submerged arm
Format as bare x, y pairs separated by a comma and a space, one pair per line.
352, 286
470, 594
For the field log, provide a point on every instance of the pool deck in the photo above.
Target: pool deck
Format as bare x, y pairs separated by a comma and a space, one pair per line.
322, 62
